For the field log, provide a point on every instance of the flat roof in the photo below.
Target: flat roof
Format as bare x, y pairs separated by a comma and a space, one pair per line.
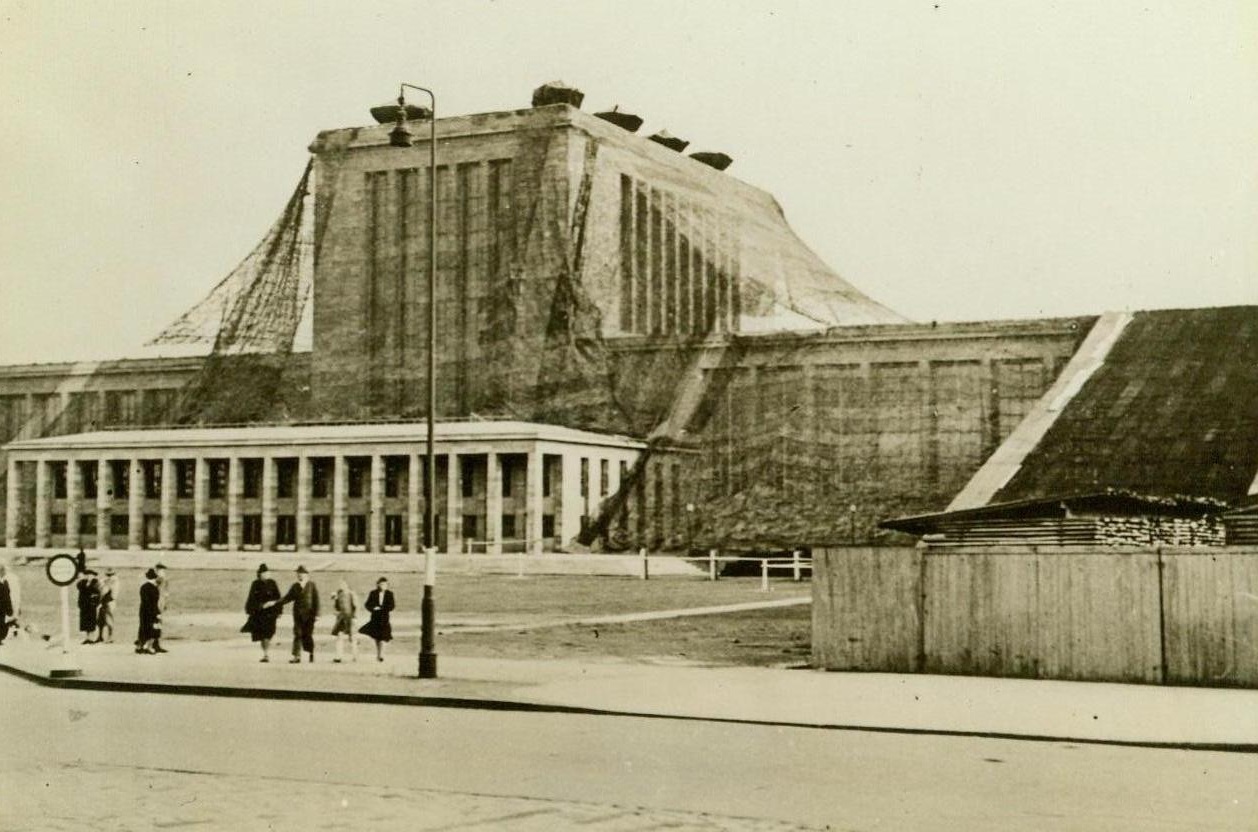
322, 434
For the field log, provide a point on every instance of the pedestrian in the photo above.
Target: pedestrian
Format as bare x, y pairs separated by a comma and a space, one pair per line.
150, 614
380, 604
346, 605
263, 608
89, 604
109, 593
8, 618
163, 601
304, 596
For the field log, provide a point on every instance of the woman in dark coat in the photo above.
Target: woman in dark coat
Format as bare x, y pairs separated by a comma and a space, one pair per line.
89, 604
150, 614
263, 608
379, 603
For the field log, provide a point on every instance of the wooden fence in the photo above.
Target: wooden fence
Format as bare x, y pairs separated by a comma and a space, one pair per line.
1180, 616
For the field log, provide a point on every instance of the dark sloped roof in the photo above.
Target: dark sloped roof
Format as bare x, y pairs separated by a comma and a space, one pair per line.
1173, 410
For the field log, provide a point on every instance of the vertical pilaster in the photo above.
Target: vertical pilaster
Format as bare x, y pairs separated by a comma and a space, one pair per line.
135, 504
454, 504
201, 503
104, 500
168, 503
493, 503
533, 501
235, 487
270, 486
375, 519
303, 503
74, 499
43, 506
340, 488
12, 505
414, 506
568, 523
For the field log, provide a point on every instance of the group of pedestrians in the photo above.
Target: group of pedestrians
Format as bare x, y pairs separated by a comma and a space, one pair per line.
265, 603
97, 597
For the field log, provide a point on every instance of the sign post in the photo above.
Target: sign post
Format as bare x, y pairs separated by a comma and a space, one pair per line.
62, 571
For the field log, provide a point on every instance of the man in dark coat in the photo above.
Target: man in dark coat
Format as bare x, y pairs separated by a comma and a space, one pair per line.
89, 603
150, 614
304, 596
8, 615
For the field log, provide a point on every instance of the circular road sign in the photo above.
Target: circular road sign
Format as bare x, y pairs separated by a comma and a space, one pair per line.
63, 569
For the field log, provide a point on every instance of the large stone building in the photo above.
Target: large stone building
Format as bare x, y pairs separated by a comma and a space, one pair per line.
592, 279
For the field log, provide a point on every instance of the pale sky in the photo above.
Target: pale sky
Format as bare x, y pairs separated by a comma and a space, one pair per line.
954, 160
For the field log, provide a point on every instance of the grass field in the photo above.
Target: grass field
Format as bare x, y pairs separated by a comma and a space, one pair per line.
208, 604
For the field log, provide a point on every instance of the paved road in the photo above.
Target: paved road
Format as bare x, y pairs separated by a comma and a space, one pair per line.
78, 759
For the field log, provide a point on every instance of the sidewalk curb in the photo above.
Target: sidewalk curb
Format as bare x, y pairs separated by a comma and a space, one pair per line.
483, 704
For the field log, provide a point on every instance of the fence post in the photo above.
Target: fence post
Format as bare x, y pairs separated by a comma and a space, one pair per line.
646, 569
711, 564
764, 574
795, 564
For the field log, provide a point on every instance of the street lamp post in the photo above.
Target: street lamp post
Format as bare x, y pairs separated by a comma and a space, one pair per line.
400, 136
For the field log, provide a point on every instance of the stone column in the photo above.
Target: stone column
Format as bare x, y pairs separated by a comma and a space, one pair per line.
375, 519
235, 485
340, 487
454, 505
104, 501
303, 503
169, 485
414, 504
12, 505
270, 486
568, 523
135, 504
533, 501
493, 502
201, 503
43, 506
74, 498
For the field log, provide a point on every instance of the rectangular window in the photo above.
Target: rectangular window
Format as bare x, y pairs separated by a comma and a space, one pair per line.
394, 468
152, 469
185, 529
604, 476
624, 472
585, 477
285, 478
218, 478
87, 525
471, 527
285, 530
57, 524
88, 472
251, 472
185, 479
151, 536
320, 530
121, 473
506, 477
548, 525
251, 530
321, 473
466, 476
508, 527
357, 469
218, 529
546, 476
393, 530
356, 530
57, 473
119, 525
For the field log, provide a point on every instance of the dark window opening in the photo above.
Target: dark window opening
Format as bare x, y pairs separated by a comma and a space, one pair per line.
218, 529
508, 527
356, 530
57, 524
251, 530
393, 530
321, 474
121, 473
185, 529
320, 530
251, 473
548, 525
119, 525
87, 524
185, 479
89, 473
285, 530
152, 471
58, 471
218, 478
471, 526
285, 478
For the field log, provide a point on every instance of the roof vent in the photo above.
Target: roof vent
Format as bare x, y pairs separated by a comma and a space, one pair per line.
720, 161
557, 92
387, 113
625, 121
669, 140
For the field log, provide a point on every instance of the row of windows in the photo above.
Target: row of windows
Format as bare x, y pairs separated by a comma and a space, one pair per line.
356, 532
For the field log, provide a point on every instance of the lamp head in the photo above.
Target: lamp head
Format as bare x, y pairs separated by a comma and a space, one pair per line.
400, 135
